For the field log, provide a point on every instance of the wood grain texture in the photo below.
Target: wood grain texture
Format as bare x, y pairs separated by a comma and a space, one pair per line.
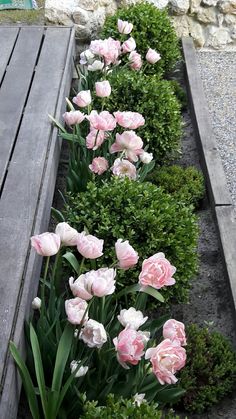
27, 197
210, 158
7, 38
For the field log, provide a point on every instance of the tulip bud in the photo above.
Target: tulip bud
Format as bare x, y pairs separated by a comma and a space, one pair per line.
36, 303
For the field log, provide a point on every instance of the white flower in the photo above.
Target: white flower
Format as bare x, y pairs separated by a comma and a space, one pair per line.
97, 65
131, 318
80, 372
93, 334
68, 235
139, 399
36, 303
86, 57
146, 157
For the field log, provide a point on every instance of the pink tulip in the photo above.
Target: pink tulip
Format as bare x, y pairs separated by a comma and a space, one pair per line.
94, 283
128, 142
68, 235
124, 26
73, 117
157, 272
90, 247
95, 139
130, 345
128, 45
75, 310
83, 98
46, 244
93, 334
135, 60
103, 121
103, 88
99, 165
122, 168
126, 254
152, 56
175, 331
130, 120
109, 49
166, 358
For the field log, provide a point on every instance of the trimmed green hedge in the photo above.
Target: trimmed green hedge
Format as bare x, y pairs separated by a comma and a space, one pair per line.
152, 29
149, 218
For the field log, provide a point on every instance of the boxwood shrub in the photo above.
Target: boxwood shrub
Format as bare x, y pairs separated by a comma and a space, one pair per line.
145, 215
152, 29
124, 408
185, 184
210, 371
155, 100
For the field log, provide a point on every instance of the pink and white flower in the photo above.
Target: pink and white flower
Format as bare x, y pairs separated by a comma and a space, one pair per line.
130, 120
96, 66
76, 310
166, 358
108, 49
131, 318
145, 157
102, 121
122, 168
94, 283
103, 88
83, 98
73, 117
68, 235
129, 45
90, 247
135, 60
157, 272
152, 56
99, 165
124, 26
128, 142
130, 345
46, 244
126, 255
93, 334
95, 139
175, 331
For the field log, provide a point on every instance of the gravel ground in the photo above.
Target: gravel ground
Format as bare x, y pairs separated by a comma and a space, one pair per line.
218, 73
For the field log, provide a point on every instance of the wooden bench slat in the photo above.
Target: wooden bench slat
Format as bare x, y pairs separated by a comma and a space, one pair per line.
14, 90
18, 206
8, 38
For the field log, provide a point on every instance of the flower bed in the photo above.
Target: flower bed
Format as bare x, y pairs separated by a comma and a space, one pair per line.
94, 344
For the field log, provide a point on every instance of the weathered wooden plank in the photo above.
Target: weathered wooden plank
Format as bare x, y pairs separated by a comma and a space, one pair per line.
7, 39
9, 400
211, 161
14, 90
226, 222
18, 206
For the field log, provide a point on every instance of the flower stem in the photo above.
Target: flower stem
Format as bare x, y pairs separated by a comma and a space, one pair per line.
43, 285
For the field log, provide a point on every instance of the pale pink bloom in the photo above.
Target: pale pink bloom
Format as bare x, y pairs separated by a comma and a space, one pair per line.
36, 303
86, 57
83, 98
129, 45
46, 244
75, 310
167, 358
157, 272
94, 283
130, 120
99, 165
135, 60
126, 255
93, 334
81, 371
96, 66
103, 88
95, 139
128, 142
124, 26
108, 49
131, 318
102, 121
175, 330
145, 157
152, 56
130, 345
90, 247
68, 235
73, 117
122, 168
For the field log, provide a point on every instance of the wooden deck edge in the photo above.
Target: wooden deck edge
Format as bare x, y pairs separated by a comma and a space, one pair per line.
210, 158
218, 192
12, 385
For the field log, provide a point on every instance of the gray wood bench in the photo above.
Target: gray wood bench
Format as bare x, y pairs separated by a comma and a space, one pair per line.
35, 76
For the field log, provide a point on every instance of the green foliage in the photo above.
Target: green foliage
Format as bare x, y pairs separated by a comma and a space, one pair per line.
124, 408
152, 29
185, 184
210, 371
149, 218
179, 93
155, 100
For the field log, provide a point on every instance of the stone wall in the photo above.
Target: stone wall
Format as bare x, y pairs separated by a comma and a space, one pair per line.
211, 23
